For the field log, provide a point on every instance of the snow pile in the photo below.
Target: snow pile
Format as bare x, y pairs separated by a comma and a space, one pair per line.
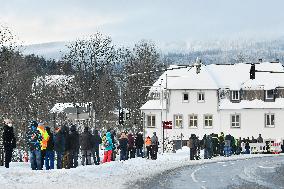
109, 175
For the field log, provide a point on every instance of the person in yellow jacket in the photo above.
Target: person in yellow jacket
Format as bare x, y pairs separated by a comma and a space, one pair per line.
43, 142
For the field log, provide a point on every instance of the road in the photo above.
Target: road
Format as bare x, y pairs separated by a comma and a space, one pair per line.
261, 173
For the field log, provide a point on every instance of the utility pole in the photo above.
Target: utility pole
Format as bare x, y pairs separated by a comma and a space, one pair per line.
120, 105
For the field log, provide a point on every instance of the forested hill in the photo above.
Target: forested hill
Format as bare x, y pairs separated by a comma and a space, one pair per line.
230, 53
213, 52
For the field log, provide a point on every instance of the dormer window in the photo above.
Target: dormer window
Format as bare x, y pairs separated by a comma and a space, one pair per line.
235, 95
269, 94
200, 97
185, 97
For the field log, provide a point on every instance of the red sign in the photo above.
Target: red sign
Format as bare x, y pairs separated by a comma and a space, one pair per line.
167, 124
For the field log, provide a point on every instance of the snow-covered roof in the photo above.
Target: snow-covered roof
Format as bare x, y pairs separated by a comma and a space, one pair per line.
185, 78
154, 105
236, 76
214, 76
54, 80
61, 107
254, 104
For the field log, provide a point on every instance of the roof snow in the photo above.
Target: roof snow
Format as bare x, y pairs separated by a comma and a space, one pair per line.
61, 107
54, 80
214, 76
154, 105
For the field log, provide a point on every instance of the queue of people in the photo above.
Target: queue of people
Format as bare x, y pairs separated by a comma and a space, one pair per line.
61, 147
66, 144
214, 145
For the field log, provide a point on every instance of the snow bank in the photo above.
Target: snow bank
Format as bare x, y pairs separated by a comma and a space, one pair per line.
109, 175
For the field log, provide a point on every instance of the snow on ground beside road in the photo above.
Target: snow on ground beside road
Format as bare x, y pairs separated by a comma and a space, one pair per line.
109, 175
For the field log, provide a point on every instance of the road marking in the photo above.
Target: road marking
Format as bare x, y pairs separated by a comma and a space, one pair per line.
203, 187
221, 162
266, 167
193, 175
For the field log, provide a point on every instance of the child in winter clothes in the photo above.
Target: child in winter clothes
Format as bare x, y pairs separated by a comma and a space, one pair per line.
108, 148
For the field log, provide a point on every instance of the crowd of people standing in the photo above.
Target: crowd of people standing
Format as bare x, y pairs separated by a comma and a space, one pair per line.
63, 145
214, 145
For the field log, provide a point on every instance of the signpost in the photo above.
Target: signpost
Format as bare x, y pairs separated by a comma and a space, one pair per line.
166, 125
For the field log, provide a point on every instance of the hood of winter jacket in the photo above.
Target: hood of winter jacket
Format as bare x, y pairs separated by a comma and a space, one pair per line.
108, 135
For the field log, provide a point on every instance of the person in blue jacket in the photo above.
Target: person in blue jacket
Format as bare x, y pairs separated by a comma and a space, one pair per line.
33, 138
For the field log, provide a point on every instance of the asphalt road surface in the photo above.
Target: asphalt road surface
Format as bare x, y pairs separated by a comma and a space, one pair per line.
260, 173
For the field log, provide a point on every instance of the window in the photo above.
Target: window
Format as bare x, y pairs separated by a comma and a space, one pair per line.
178, 121
269, 94
235, 95
185, 97
193, 121
235, 121
269, 120
208, 120
200, 97
151, 120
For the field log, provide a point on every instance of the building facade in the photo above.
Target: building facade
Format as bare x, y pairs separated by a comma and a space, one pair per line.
204, 99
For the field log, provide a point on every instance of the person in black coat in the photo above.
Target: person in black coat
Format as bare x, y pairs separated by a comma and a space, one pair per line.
139, 144
97, 140
9, 141
59, 145
49, 153
1, 145
86, 146
131, 145
73, 147
123, 144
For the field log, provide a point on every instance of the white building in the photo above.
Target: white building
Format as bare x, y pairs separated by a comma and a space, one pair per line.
220, 98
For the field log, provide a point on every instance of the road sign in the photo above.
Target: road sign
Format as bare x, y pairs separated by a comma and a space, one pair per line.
167, 124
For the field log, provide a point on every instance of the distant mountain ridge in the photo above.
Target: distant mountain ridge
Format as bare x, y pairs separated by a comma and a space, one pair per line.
51, 50
211, 52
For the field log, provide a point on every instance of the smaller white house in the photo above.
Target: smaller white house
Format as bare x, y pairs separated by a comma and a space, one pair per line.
73, 112
218, 98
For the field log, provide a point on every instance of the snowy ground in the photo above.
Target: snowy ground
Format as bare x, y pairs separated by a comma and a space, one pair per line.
109, 175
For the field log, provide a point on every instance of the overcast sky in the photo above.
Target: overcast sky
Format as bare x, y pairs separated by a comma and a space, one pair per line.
126, 21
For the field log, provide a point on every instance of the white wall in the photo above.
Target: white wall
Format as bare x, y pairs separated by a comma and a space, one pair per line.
252, 120
253, 123
177, 106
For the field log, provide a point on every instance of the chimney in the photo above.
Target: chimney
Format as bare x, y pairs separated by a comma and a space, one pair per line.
198, 65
